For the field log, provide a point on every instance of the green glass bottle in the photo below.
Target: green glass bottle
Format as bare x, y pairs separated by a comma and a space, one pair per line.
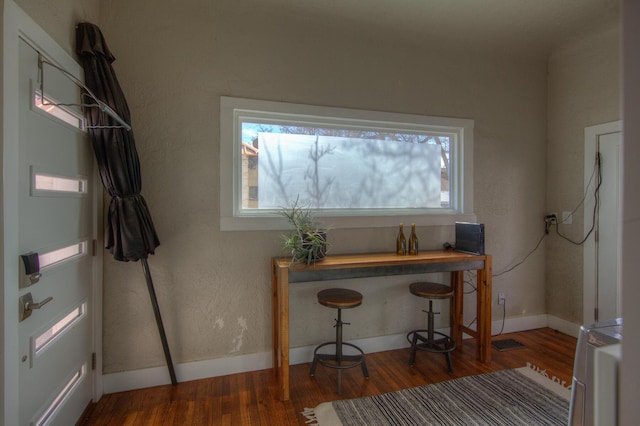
401, 243
413, 241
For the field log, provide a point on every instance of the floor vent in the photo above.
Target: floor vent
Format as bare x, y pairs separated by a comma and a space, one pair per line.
507, 344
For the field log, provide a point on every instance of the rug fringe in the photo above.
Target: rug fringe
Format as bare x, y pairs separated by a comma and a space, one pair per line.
310, 414
544, 373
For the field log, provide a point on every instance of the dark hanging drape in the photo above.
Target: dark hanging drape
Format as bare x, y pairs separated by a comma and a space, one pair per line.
129, 232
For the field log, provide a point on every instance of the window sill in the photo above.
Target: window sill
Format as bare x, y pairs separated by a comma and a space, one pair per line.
248, 223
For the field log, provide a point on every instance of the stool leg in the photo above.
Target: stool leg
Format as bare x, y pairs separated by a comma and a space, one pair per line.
339, 337
339, 348
449, 364
412, 357
365, 371
314, 364
430, 321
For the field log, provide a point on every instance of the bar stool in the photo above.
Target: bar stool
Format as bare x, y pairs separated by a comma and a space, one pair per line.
434, 340
339, 298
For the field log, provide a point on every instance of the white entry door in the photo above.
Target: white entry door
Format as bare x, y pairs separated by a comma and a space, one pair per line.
57, 220
602, 280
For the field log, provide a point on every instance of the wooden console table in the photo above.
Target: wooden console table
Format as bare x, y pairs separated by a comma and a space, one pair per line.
339, 267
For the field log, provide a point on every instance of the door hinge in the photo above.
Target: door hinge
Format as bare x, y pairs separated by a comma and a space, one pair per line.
93, 361
94, 248
595, 236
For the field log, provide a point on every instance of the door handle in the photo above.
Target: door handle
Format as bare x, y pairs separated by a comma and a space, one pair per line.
27, 305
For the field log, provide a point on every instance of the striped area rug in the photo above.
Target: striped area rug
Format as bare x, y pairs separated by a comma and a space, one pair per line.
522, 396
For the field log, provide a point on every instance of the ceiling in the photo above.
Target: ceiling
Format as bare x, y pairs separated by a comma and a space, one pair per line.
516, 25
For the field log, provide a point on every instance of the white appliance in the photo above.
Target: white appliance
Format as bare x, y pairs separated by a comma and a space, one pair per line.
595, 374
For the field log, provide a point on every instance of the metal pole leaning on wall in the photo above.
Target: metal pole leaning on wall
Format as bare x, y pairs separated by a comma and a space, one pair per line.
156, 312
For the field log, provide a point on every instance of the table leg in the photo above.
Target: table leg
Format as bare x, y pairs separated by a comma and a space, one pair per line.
275, 326
283, 318
483, 351
457, 319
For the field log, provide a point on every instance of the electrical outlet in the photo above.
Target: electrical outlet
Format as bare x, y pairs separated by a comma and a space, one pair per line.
501, 298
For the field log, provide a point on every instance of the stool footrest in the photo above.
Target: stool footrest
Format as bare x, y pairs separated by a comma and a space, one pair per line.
335, 361
440, 345
444, 345
332, 362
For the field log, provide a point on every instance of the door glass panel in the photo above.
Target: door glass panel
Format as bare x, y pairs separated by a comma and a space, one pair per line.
44, 182
50, 334
60, 398
51, 107
66, 253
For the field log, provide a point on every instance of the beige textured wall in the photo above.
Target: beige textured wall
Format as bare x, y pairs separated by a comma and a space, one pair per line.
59, 18
629, 411
175, 59
584, 90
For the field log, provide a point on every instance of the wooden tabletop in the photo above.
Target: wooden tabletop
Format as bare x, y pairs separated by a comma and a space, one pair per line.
379, 259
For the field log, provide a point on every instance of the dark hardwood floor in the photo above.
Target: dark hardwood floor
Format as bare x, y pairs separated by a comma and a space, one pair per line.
251, 398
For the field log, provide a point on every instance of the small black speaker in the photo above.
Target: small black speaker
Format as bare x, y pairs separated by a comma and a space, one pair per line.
470, 237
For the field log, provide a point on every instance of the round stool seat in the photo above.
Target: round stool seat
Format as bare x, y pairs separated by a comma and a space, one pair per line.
431, 290
339, 298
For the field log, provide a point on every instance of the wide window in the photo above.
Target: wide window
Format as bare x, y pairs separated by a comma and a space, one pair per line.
355, 168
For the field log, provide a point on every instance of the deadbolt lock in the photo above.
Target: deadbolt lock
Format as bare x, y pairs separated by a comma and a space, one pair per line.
29, 269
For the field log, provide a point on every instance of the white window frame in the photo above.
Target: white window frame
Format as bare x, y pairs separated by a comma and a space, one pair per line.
233, 218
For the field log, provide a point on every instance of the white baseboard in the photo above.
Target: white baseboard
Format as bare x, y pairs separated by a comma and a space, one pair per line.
156, 376
511, 325
563, 326
148, 377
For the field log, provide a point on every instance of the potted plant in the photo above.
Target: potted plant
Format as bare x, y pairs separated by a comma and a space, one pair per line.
307, 243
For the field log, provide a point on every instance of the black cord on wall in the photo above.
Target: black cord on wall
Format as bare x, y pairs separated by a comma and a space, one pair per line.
597, 172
